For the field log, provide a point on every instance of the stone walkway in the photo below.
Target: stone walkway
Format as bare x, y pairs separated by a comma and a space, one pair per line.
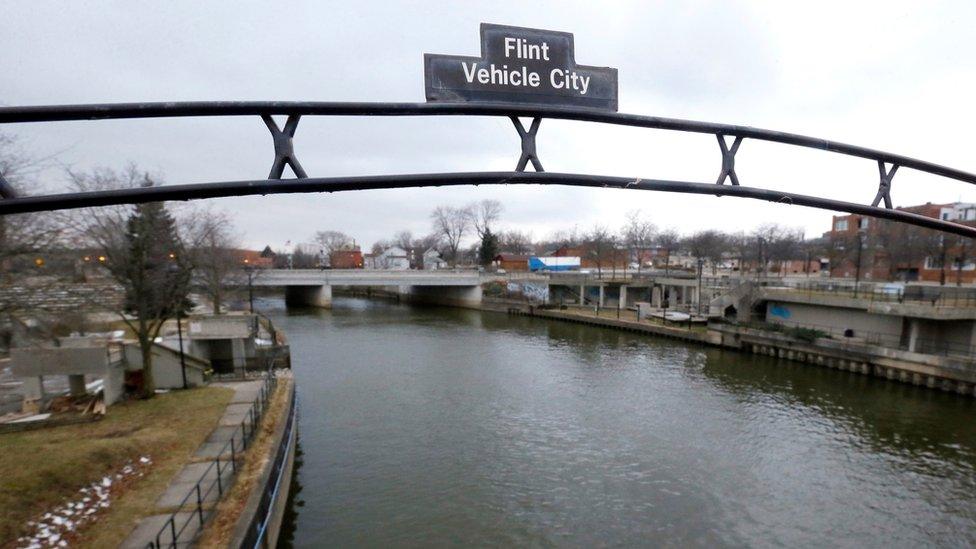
199, 467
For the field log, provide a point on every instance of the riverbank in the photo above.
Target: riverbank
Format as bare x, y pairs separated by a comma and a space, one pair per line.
209, 474
110, 472
943, 373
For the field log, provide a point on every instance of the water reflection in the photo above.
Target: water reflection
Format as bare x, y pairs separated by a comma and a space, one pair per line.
429, 426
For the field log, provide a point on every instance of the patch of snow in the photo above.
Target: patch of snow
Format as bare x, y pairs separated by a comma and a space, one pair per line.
49, 531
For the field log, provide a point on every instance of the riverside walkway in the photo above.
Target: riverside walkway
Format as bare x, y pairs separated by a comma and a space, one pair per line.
199, 471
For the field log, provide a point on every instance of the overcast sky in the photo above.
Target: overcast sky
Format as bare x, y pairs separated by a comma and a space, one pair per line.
896, 76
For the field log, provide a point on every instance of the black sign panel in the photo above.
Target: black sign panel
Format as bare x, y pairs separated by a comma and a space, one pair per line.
520, 65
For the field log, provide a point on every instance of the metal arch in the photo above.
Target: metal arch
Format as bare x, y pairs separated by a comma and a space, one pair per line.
284, 154
55, 113
341, 184
6, 190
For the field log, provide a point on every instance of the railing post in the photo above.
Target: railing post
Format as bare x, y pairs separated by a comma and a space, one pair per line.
233, 454
200, 504
220, 484
172, 529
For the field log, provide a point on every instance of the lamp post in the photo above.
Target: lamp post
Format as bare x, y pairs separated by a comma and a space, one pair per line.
179, 332
250, 287
174, 268
857, 270
700, 264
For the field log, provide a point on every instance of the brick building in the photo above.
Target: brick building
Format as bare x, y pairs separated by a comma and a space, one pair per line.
895, 251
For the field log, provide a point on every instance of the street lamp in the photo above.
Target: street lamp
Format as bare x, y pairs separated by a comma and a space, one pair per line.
250, 286
173, 268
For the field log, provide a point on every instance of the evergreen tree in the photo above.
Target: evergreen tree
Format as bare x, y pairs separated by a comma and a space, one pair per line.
489, 248
155, 271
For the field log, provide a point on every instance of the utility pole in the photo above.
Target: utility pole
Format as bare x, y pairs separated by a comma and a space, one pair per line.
857, 270
700, 263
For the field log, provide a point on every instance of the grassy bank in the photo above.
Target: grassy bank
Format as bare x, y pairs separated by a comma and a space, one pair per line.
41, 469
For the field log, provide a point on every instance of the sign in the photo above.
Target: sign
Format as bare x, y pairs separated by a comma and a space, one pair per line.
519, 65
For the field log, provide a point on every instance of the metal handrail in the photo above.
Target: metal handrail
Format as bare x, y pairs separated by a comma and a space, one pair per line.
114, 111
255, 414
257, 529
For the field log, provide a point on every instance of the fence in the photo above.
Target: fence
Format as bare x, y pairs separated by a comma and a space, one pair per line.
257, 530
190, 512
934, 296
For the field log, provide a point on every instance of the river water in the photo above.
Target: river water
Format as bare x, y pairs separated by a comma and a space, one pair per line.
439, 426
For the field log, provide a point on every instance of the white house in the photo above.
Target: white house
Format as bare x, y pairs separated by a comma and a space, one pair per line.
393, 258
433, 261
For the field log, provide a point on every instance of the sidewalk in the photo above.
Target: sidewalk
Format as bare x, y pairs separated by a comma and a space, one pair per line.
196, 469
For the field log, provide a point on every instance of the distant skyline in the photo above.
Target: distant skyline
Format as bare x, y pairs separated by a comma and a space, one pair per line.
898, 79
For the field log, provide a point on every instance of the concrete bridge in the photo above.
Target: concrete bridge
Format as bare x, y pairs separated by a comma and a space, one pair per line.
313, 287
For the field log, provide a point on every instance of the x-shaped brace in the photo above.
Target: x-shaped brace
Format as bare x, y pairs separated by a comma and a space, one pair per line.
728, 160
884, 187
284, 146
528, 144
6, 191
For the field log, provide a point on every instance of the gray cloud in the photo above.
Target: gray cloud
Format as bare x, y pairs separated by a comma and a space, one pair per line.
898, 79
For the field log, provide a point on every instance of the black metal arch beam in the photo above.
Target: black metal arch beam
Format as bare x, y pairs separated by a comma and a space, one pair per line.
53, 113
339, 184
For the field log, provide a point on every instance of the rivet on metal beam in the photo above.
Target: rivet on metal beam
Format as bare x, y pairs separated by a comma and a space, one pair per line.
728, 160
528, 144
884, 187
6, 190
284, 147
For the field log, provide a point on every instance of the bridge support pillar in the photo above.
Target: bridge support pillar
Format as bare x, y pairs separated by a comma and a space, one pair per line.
622, 300
602, 295
309, 296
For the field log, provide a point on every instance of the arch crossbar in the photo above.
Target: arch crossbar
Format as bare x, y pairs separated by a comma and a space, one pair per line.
285, 155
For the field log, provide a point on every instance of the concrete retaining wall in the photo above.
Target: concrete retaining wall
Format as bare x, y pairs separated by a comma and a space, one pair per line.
279, 483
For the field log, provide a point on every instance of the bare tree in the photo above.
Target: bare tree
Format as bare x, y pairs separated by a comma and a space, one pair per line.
903, 245
669, 240
600, 243
331, 241
144, 253
212, 243
516, 242
778, 243
483, 215
24, 234
706, 245
451, 224
639, 236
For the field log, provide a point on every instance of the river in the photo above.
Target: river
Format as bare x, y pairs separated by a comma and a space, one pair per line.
439, 426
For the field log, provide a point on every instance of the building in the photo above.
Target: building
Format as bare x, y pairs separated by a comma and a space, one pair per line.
511, 262
871, 249
254, 259
393, 258
347, 258
612, 259
432, 260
